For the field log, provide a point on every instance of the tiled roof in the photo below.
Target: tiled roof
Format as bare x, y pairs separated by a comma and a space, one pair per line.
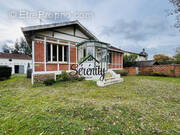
147, 63
14, 56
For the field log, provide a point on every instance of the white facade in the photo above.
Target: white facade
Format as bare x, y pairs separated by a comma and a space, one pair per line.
16, 62
139, 57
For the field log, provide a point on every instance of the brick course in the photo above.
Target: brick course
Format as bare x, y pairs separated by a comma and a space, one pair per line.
73, 54
51, 67
169, 70
38, 51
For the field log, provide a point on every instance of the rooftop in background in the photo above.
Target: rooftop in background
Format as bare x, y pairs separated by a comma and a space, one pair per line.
147, 63
143, 53
14, 56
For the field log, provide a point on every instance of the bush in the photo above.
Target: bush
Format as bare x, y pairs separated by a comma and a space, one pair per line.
122, 73
40, 78
77, 78
5, 72
158, 74
64, 76
49, 82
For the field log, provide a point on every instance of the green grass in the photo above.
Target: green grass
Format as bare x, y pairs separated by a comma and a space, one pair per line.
139, 105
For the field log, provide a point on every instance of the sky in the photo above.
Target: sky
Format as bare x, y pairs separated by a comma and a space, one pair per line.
130, 25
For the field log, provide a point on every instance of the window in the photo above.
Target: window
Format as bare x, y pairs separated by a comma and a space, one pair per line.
54, 52
110, 58
60, 53
48, 52
57, 53
65, 53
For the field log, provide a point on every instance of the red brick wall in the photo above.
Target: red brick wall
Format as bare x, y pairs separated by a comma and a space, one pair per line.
73, 54
63, 66
121, 60
145, 70
51, 67
38, 51
130, 70
39, 67
165, 69
177, 70
116, 60
169, 70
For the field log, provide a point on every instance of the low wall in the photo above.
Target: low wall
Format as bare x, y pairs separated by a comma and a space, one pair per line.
169, 70
131, 70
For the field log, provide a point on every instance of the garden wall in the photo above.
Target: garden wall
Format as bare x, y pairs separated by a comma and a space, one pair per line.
131, 70
168, 70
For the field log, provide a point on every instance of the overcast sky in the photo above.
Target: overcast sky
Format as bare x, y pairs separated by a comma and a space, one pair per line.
129, 24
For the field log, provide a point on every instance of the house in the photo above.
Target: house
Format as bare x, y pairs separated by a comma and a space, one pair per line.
56, 47
18, 62
142, 56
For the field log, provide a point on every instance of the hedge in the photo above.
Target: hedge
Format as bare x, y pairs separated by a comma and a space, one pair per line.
5, 72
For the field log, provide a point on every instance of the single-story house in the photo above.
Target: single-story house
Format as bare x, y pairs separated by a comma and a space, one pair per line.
18, 62
142, 56
56, 47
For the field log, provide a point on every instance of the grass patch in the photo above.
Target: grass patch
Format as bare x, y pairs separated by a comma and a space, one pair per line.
139, 105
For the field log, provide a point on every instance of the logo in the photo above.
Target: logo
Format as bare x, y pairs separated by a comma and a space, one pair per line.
90, 68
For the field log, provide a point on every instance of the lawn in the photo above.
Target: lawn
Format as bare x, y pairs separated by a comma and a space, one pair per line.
139, 105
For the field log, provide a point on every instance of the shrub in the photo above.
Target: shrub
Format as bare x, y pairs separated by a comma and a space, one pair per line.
81, 78
64, 76
122, 73
68, 77
40, 78
5, 72
49, 82
158, 74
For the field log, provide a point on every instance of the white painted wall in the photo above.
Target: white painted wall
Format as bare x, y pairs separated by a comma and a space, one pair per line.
6, 62
68, 30
139, 58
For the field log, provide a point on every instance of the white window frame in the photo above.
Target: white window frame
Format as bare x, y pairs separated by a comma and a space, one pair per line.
51, 54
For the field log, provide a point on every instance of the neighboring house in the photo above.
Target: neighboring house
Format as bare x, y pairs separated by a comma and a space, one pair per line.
18, 62
56, 47
142, 56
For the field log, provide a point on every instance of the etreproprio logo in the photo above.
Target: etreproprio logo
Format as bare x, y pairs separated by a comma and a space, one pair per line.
88, 70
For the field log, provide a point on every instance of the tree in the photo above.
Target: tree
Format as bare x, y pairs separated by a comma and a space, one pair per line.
129, 60
7, 49
162, 59
176, 11
177, 55
20, 47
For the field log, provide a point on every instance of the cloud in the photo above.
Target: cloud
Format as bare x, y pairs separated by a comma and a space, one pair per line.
136, 30
153, 33
129, 26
